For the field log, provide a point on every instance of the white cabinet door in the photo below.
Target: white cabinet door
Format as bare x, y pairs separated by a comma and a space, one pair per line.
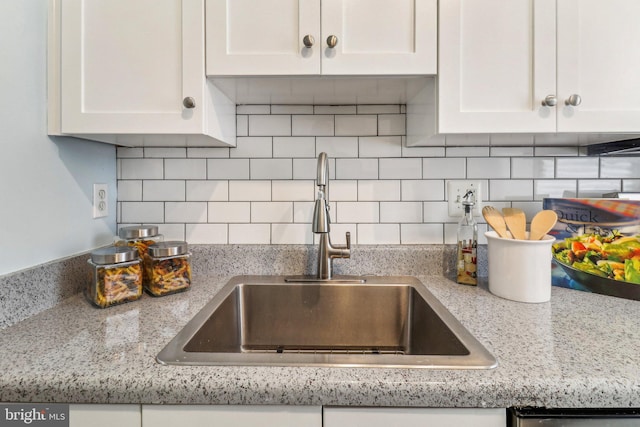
132, 72
104, 415
413, 417
266, 37
497, 64
231, 416
598, 59
379, 36
128, 65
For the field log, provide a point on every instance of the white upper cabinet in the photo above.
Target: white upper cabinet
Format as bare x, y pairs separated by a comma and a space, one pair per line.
599, 60
312, 37
132, 72
501, 59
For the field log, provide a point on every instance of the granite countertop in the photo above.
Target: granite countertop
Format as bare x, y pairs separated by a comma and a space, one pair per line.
579, 350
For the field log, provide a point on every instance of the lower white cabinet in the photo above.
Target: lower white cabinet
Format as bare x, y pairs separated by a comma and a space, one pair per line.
81, 415
413, 417
231, 416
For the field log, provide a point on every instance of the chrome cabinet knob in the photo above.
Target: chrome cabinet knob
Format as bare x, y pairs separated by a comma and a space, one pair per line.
308, 40
550, 101
332, 41
574, 100
189, 102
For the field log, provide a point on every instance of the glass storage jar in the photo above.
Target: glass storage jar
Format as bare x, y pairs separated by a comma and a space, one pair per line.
168, 268
116, 276
140, 237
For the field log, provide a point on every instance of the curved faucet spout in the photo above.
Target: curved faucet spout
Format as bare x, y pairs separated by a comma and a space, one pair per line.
321, 220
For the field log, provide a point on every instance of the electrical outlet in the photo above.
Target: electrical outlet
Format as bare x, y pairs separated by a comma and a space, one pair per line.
100, 200
455, 193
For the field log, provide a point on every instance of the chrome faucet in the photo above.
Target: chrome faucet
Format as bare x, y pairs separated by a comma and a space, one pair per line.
321, 224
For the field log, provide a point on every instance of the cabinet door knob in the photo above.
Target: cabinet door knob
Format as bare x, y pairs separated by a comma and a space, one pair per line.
550, 101
332, 41
574, 100
308, 40
189, 102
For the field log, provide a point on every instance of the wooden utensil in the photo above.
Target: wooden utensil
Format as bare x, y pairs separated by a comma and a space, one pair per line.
516, 221
495, 219
541, 223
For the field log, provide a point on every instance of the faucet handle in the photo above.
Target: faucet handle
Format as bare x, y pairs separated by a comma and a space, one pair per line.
348, 237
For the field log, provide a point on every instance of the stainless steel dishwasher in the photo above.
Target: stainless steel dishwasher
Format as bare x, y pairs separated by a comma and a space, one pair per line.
529, 417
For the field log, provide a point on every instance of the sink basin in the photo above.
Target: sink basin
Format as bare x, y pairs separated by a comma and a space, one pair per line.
385, 322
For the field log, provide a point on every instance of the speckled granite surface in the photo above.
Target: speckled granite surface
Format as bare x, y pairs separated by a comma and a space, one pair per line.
579, 350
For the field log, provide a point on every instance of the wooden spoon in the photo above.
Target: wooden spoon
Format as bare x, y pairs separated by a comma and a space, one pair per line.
541, 223
495, 219
516, 221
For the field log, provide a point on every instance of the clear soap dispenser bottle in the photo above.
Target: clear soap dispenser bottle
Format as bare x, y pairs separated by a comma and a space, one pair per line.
467, 243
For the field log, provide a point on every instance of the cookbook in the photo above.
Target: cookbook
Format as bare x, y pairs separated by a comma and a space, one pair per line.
597, 245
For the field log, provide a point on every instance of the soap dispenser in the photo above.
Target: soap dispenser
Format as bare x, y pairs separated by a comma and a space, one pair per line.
467, 264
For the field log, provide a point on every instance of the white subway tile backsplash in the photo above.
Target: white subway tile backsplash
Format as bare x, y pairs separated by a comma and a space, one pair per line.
372, 190
504, 189
262, 191
343, 190
271, 212
206, 233
142, 212
198, 191
206, 152
391, 124
430, 189
240, 234
249, 190
293, 190
185, 169
378, 109
184, 212
242, 125
271, 168
270, 125
227, 169
356, 169
316, 125
598, 187
229, 212
378, 234
444, 168
421, 234
141, 168
338, 146
130, 191
555, 188
488, 167
409, 168
162, 152
252, 146
294, 146
620, 167
357, 212
356, 125
585, 167
163, 190
401, 212
380, 146
532, 167
291, 234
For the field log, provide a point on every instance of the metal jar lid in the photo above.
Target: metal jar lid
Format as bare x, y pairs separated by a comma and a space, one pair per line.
171, 248
114, 255
138, 231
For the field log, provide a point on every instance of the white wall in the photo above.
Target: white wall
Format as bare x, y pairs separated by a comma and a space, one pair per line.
45, 183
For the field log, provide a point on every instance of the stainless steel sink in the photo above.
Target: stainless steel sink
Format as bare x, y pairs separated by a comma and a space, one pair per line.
385, 322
